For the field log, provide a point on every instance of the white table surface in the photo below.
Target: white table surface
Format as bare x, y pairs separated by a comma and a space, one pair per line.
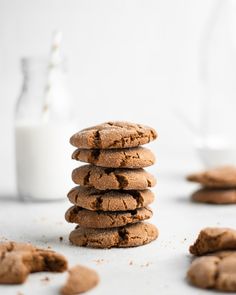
157, 268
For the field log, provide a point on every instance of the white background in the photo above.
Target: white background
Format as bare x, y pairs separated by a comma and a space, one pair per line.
132, 60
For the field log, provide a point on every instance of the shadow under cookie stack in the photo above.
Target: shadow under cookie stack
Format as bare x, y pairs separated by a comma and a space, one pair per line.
110, 203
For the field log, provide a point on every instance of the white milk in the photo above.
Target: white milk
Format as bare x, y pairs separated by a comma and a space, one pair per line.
43, 156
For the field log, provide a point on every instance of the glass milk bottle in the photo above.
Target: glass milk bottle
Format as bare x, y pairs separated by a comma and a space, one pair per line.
43, 126
218, 74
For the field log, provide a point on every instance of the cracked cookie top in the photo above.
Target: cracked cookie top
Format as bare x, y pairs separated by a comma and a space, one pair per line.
112, 135
138, 157
100, 219
214, 272
110, 200
113, 178
132, 235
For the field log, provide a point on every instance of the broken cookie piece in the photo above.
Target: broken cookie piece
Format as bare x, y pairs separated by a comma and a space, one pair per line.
80, 280
17, 260
214, 239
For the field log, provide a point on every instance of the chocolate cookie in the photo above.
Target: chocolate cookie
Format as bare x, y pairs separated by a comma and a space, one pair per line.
223, 177
214, 272
17, 260
112, 178
214, 239
113, 200
80, 280
111, 135
101, 219
132, 235
215, 196
138, 157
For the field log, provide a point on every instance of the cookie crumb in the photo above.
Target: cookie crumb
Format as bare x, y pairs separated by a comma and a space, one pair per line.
60, 239
98, 261
45, 279
131, 262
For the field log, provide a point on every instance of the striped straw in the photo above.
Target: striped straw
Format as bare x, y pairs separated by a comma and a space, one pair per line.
54, 60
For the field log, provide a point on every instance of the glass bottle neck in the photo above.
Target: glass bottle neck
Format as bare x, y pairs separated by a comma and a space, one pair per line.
34, 83
44, 93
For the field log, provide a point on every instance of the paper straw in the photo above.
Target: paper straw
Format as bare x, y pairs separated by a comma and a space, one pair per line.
54, 61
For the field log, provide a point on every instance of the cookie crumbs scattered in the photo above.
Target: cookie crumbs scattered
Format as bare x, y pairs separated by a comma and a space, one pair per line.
99, 261
45, 279
60, 239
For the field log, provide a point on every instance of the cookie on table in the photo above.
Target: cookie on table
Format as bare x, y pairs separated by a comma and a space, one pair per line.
113, 200
81, 279
20, 259
138, 157
113, 178
214, 272
214, 239
102, 219
222, 177
111, 135
215, 196
132, 235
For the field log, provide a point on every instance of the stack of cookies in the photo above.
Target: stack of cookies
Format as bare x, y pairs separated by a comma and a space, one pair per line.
111, 200
218, 185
